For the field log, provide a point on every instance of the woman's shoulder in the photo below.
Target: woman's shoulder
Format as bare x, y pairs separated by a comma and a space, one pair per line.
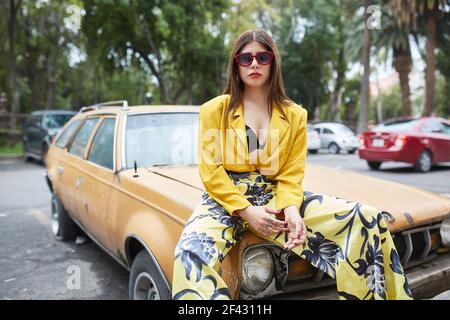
294, 110
215, 105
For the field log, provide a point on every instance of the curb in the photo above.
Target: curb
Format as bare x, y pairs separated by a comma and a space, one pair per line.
11, 157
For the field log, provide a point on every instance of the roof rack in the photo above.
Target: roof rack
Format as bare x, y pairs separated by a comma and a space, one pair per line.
118, 103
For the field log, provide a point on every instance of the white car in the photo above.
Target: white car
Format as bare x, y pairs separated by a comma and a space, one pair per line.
313, 140
336, 137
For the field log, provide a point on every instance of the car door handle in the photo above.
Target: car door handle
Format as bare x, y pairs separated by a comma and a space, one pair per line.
60, 169
79, 182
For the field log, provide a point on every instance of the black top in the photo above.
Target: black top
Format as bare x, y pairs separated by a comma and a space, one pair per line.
251, 139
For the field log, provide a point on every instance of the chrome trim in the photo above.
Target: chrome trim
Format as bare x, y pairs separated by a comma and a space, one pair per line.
124, 128
150, 253
409, 245
409, 249
427, 238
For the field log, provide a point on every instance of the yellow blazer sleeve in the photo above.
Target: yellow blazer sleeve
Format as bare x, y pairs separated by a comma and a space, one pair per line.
217, 183
289, 190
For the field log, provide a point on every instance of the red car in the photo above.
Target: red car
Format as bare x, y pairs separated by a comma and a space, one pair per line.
420, 141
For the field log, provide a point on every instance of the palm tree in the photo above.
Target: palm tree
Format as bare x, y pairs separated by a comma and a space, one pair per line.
431, 11
395, 36
365, 89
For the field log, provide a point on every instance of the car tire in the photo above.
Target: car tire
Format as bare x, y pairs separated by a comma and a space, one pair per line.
26, 157
146, 283
352, 151
63, 227
424, 162
333, 148
313, 151
374, 165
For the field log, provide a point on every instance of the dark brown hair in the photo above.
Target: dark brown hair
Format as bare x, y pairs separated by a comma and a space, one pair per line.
235, 86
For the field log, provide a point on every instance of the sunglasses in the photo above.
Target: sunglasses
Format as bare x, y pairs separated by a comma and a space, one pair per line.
245, 59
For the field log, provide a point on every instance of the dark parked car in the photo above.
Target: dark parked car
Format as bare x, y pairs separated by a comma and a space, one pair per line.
39, 130
419, 141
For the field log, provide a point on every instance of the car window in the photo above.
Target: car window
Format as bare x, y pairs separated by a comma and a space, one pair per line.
102, 148
53, 121
344, 130
82, 137
327, 131
431, 126
68, 132
446, 128
161, 139
401, 125
34, 120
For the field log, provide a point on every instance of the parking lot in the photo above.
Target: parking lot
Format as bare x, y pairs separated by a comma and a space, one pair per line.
35, 266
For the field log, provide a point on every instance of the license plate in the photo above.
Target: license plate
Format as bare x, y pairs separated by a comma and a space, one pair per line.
378, 142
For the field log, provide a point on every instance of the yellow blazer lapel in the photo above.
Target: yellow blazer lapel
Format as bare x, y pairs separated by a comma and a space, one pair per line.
278, 123
237, 123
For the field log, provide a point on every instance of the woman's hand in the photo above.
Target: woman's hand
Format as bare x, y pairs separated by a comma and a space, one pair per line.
263, 220
297, 229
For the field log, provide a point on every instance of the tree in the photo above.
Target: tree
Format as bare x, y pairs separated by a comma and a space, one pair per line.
395, 37
365, 89
427, 13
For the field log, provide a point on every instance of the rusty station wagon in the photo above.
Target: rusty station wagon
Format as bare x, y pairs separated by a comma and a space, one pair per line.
127, 177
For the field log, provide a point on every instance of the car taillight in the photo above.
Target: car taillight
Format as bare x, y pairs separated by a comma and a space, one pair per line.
361, 140
400, 141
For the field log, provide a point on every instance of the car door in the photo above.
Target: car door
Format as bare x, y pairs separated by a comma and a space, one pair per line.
326, 137
64, 173
446, 132
434, 130
97, 177
33, 134
73, 162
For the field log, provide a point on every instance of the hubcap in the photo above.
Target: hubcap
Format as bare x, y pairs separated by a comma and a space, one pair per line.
55, 222
333, 149
145, 288
425, 162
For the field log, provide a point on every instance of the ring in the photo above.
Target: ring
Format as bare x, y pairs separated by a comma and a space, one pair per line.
269, 224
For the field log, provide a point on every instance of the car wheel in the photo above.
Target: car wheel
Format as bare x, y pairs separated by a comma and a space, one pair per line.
374, 165
26, 157
313, 151
333, 148
145, 281
352, 151
63, 227
424, 162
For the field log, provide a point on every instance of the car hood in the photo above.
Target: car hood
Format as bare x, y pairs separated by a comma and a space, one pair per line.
409, 206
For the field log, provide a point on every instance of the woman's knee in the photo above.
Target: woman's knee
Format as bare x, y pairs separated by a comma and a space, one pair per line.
196, 248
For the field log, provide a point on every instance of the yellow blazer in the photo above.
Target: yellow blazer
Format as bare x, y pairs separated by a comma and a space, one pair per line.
223, 146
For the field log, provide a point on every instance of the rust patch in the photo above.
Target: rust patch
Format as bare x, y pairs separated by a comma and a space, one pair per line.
408, 217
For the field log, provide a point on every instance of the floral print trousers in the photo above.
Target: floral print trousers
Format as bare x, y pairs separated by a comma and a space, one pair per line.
347, 240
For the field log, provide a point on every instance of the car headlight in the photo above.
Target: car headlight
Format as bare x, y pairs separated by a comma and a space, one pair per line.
257, 269
445, 232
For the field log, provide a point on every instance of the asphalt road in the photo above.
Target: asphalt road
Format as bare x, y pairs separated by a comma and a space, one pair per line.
35, 266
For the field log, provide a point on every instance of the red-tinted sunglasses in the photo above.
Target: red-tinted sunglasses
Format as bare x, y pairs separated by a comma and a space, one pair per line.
245, 59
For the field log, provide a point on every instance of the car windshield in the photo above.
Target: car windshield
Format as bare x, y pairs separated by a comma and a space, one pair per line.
405, 125
161, 139
54, 121
344, 129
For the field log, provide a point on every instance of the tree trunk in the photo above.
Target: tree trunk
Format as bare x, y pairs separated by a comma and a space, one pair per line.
365, 89
430, 59
15, 93
402, 64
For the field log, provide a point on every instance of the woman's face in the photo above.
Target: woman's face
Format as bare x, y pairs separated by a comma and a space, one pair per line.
255, 75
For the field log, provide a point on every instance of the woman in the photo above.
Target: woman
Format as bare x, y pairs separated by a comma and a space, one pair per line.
252, 144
